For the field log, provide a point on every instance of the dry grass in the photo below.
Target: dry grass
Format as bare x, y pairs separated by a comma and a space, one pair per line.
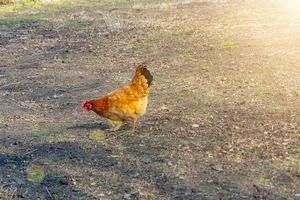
223, 113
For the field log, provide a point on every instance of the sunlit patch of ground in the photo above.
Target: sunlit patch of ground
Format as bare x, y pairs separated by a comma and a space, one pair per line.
223, 116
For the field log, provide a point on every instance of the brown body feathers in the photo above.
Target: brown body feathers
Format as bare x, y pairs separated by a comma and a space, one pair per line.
127, 103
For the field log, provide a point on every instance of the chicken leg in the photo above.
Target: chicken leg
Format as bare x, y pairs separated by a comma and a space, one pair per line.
133, 125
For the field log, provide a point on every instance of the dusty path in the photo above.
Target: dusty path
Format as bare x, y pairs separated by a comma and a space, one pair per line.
223, 119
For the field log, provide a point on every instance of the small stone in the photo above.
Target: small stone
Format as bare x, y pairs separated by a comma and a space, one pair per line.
127, 196
218, 168
146, 160
135, 175
101, 195
163, 108
195, 125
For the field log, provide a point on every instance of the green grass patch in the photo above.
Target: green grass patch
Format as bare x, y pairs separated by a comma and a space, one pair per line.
181, 95
30, 4
35, 173
288, 163
184, 53
13, 21
97, 135
130, 3
86, 143
268, 45
45, 137
134, 46
204, 68
263, 180
228, 44
72, 26
20, 6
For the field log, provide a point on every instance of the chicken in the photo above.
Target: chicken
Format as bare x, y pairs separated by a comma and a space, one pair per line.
126, 104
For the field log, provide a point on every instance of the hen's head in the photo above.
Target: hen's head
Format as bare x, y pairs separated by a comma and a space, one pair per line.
86, 105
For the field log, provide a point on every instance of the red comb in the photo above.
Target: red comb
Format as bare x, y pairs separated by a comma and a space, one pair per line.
83, 103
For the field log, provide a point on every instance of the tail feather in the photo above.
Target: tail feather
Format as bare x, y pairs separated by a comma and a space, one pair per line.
142, 70
146, 73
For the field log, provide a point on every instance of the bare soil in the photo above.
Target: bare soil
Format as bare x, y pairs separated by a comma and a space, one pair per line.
224, 110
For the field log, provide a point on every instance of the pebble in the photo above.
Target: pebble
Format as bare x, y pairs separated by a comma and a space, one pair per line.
163, 108
93, 183
195, 125
127, 196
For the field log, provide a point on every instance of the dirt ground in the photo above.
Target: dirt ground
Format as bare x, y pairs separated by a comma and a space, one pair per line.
224, 110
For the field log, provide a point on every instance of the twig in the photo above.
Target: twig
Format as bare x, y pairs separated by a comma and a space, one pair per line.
49, 193
13, 193
29, 152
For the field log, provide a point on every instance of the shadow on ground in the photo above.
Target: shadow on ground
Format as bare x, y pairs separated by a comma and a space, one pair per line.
14, 180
